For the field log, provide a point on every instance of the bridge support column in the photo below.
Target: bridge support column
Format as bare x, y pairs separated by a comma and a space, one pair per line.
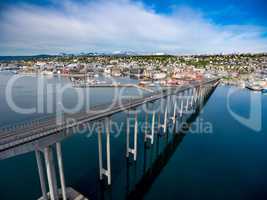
108, 150
100, 159
200, 96
41, 174
187, 101
165, 120
165, 117
102, 170
191, 98
181, 107
127, 135
133, 150
196, 95
61, 171
147, 134
151, 136
204, 92
51, 175
153, 127
173, 118
196, 98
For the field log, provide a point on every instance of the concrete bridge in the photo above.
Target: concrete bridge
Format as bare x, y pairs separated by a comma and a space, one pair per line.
44, 135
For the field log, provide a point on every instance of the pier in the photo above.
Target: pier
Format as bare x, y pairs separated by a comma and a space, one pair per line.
44, 136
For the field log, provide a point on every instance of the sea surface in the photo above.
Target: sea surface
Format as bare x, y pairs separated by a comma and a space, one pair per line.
219, 157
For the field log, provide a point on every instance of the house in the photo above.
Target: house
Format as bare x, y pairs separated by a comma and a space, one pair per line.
137, 72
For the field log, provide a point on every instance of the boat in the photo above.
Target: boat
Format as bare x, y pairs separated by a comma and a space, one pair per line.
47, 73
254, 87
159, 76
264, 87
264, 90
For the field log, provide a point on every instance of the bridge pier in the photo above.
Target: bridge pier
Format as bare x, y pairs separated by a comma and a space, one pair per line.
51, 173
181, 106
190, 99
41, 174
45, 159
173, 118
165, 117
187, 101
133, 150
195, 98
206, 90
150, 135
196, 95
165, 120
201, 96
61, 170
102, 170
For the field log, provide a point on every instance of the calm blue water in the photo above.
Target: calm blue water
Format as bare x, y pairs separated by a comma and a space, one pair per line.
228, 162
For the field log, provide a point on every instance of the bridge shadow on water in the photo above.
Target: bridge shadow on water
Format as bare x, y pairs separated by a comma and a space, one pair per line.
139, 176
133, 179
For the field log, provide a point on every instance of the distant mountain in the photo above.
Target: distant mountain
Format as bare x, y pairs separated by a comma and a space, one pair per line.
43, 56
18, 58
125, 53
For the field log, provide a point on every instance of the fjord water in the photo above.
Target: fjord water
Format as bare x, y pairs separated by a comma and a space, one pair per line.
228, 163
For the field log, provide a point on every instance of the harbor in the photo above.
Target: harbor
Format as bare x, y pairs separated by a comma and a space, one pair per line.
260, 86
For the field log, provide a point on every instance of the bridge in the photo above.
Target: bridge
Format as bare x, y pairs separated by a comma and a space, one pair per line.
44, 135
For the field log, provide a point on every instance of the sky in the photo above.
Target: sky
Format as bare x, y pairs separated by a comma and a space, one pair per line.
31, 27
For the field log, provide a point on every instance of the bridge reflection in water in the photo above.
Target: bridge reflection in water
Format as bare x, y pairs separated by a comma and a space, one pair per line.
44, 137
140, 175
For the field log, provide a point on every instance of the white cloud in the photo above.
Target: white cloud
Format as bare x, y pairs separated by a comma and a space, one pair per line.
119, 25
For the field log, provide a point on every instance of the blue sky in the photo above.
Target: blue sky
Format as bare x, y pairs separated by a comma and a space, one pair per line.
222, 11
173, 26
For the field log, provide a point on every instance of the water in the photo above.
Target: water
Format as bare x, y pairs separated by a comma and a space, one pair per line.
228, 163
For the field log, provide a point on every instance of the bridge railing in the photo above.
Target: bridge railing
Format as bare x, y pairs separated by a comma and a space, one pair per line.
24, 124
38, 122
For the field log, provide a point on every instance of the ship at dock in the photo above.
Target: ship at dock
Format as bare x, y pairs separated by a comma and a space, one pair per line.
260, 86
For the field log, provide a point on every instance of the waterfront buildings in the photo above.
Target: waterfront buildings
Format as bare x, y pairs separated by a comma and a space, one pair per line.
237, 69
